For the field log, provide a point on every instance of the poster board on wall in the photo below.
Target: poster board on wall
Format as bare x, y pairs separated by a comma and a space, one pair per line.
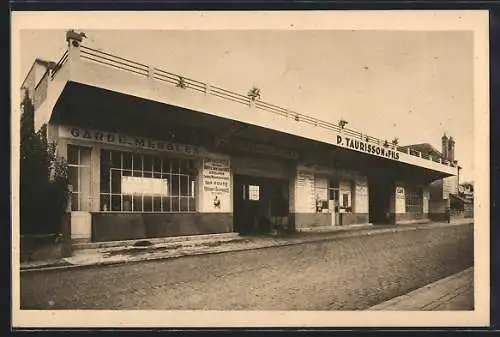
400, 199
216, 185
304, 191
361, 195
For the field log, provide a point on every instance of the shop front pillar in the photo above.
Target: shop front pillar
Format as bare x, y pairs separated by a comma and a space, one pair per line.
95, 179
302, 200
361, 200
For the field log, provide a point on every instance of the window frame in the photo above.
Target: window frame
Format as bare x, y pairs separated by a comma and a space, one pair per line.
414, 200
79, 166
180, 198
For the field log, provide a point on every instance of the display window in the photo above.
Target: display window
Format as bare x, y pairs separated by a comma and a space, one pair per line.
133, 182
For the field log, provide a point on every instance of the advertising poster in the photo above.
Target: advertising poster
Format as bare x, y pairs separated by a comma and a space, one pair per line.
216, 185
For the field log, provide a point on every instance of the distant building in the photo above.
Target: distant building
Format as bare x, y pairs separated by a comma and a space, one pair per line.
466, 190
446, 194
155, 154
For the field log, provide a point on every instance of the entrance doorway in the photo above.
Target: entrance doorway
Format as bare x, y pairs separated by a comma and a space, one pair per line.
259, 204
380, 192
333, 203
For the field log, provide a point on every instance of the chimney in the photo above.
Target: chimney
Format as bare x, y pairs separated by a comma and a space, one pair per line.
451, 149
444, 147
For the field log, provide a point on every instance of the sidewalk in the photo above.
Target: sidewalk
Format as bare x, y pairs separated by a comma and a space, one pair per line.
213, 244
455, 292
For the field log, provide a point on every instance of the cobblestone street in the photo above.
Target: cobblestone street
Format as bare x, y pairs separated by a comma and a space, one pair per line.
345, 274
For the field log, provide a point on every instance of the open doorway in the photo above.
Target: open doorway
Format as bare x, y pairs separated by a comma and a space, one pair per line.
259, 203
380, 192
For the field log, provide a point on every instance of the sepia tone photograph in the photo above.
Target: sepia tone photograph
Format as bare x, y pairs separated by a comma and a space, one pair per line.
262, 169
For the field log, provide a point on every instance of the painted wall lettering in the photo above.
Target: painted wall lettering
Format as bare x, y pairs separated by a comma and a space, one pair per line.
126, 140
362, 146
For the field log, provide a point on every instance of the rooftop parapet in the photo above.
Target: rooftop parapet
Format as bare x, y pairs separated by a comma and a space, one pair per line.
77, 50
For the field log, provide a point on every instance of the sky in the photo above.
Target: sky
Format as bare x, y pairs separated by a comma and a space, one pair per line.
406, 84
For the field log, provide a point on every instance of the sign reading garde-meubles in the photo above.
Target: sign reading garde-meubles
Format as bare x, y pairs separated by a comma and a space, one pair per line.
127, 140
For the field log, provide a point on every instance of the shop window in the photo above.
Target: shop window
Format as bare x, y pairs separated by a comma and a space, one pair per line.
345, 200
327, 190
321, 192
413, 200
146, 183
79, 177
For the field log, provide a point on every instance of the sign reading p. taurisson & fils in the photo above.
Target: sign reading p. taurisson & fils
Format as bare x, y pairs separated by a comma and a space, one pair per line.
126, 140
370, 148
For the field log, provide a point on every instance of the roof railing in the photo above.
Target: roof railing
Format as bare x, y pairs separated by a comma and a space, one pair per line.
121, 63
59, 64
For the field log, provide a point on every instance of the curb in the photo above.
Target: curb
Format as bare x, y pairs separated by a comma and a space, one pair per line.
391, 304
358, 232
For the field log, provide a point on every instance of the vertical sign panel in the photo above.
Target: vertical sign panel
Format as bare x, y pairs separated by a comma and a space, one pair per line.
361, 195
304, 192
426, 197
216, 185
400, 199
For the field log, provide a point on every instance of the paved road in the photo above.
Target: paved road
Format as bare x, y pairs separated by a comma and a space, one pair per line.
344, 274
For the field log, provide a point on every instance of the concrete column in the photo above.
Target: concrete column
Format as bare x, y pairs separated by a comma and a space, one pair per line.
291, 192
95, 176
399, 201
426, 197
361, 198
304, 191
303, 199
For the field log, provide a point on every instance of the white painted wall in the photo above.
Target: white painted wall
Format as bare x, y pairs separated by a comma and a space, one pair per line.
305, 199
345, 188
426, 197
361, 198
81, 228
400, 204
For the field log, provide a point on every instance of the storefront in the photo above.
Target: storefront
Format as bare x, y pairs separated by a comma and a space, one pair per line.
327, 197
214, 161
126, 187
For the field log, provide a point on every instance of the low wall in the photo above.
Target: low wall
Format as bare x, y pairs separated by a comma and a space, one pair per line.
411, 217
439, 217
131, 226
313, 220
452, 215
347, 219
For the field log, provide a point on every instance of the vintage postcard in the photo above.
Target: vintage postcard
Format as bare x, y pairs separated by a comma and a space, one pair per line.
250, 169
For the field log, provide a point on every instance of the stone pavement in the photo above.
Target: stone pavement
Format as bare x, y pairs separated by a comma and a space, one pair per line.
455, 292
211, 244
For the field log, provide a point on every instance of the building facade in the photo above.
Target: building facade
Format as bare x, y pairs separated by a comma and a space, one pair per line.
154, 154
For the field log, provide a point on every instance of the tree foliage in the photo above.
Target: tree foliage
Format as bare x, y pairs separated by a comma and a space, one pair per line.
43, 178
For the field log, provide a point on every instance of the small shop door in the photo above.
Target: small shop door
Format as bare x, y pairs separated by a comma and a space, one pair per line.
333, 206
